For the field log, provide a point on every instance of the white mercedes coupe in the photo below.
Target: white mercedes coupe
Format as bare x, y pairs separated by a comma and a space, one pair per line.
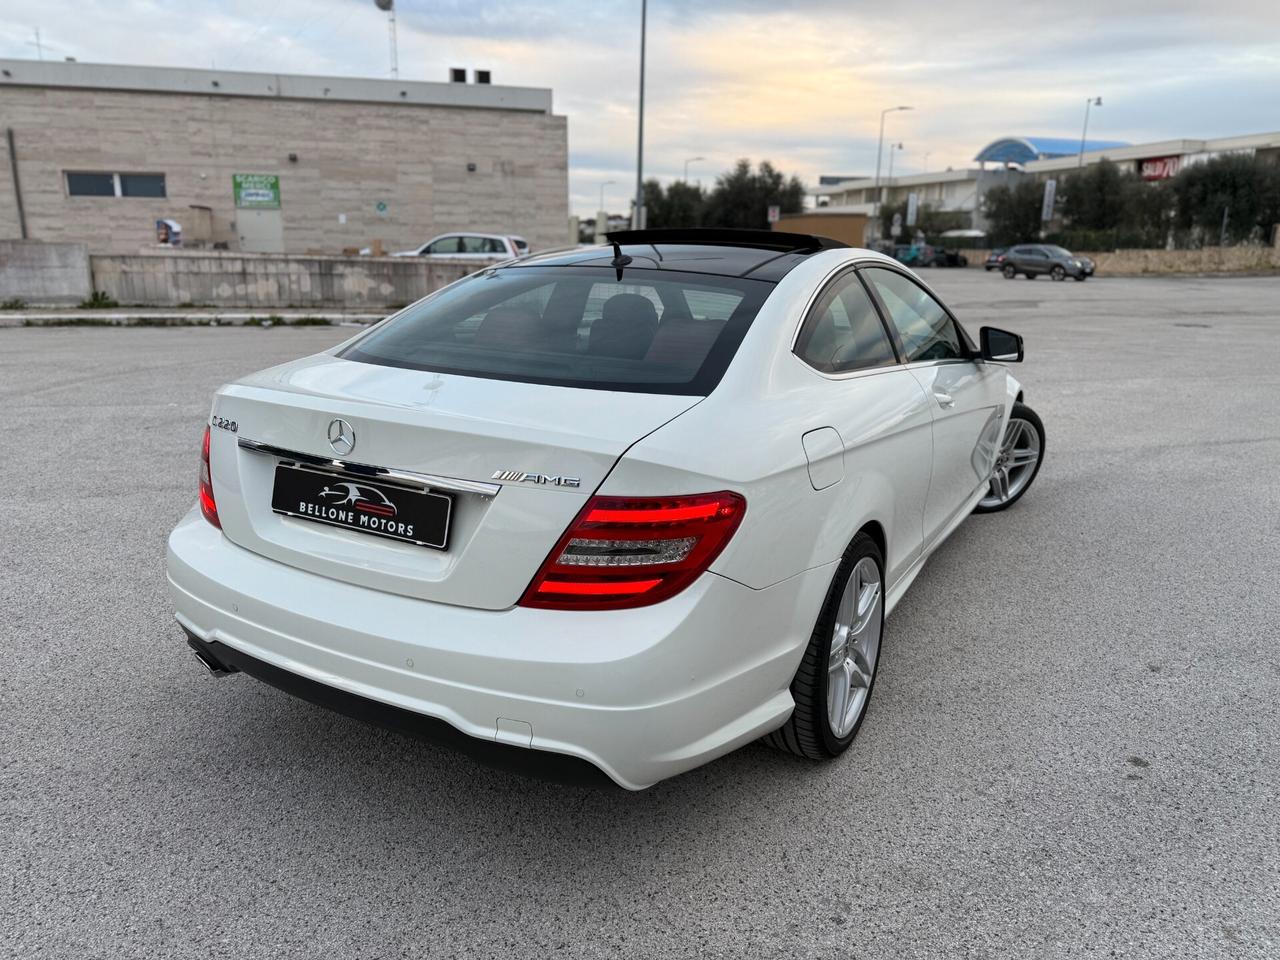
606, 513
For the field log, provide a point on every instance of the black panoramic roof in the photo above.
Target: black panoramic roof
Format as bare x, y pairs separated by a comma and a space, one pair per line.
765, 239
758, 254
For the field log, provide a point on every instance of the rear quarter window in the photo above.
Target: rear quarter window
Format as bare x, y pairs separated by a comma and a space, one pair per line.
651, 331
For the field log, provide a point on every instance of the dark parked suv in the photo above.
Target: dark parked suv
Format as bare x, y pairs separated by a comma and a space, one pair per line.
1033, 259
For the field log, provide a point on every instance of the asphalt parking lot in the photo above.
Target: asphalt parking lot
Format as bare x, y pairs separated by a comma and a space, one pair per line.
1072, 750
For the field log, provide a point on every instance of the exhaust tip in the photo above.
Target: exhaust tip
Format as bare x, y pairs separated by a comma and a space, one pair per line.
208, 659
210, 664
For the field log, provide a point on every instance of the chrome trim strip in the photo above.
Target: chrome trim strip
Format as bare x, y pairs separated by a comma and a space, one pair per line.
351, 468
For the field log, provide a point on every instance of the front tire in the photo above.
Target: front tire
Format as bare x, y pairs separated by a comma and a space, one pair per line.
833, 685
1058, 273
1017, 462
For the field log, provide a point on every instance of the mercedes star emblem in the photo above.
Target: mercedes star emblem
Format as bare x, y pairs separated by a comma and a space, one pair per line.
342, 438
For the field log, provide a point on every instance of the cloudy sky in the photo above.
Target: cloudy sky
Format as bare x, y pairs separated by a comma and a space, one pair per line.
799, 83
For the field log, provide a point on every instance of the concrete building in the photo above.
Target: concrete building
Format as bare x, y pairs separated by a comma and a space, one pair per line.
273, 163
951, 190
851, 228
1007, 159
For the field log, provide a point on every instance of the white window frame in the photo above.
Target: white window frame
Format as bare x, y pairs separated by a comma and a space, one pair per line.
115, 183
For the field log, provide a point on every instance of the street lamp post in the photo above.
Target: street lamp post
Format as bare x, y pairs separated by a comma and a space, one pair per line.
686, 166
892, 147
389, 7
879, 153
639, 213
1088, 102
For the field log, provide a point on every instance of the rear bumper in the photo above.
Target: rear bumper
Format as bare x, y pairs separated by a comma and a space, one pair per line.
558, 767
640, 695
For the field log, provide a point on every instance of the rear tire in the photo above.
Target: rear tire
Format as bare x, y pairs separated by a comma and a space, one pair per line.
831, 700
1009, 271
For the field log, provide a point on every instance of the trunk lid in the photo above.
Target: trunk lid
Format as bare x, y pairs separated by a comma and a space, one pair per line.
450, 427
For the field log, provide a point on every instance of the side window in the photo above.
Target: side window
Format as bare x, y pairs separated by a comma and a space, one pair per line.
926, 330
91, 185
843, 332
446, 245
142, 185
494, 245
475, 245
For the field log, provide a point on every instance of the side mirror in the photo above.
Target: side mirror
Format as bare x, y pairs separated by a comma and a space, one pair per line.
1000, 345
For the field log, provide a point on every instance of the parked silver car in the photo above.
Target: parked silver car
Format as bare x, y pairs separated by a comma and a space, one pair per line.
481, 247
1033, 259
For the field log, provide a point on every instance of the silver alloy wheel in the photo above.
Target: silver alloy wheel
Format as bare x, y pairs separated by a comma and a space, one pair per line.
855, 647
1015, 463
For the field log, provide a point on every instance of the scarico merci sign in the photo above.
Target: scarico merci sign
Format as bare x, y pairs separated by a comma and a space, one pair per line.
256, 190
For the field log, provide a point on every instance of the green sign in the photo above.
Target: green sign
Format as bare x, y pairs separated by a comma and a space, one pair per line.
256, 190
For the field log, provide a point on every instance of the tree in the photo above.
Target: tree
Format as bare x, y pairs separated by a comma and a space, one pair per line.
655, 205
1013, 212
685, 202
1244, 187
679, 205
742, 197
1105, 207
1094, 198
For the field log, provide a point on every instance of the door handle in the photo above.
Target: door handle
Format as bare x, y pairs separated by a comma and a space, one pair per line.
944, 399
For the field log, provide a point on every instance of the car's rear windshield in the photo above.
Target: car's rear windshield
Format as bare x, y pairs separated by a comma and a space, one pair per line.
649, 332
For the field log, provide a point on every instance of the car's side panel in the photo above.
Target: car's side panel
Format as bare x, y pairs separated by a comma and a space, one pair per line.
757, 449
969, 411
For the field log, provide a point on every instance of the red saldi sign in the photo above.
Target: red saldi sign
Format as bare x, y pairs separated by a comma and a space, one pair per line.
1159, 168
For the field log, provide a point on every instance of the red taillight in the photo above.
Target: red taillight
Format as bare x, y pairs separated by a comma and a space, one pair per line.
623, 552
208, 506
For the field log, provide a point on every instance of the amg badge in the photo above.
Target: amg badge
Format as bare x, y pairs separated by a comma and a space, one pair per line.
519, 476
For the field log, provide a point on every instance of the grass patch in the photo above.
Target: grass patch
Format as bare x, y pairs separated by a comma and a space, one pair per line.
99, 301
71, 322
14, 303
145, 321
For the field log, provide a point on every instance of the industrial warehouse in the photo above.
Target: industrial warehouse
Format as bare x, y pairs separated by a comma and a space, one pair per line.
1008, 159
121, 158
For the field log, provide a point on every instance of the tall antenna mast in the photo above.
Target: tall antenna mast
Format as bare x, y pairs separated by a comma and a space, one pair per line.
390, 7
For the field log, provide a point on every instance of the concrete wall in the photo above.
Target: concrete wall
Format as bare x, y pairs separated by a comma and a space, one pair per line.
44, 273
266, 280
1207, 260
351, 156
